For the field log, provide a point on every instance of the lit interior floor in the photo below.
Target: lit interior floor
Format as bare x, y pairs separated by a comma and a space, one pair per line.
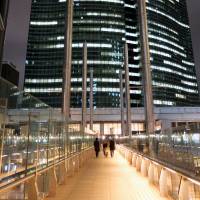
107, 179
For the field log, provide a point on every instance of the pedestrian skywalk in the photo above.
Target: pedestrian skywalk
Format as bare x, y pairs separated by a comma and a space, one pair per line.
107, 179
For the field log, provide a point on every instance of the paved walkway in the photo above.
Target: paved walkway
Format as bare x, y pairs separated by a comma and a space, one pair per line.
107, 179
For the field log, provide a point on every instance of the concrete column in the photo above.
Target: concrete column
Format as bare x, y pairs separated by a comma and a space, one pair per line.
101, 129
52, 182
122, 103
166, 124
144, 167
91, 100
127, 88
84, 89
151, 173
147, 79
68, 60
32, 189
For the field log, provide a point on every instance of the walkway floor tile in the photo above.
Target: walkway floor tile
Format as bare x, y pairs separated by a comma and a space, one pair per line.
107, 179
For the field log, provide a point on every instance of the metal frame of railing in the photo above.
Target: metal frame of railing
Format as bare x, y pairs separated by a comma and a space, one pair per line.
66, 167
171, 182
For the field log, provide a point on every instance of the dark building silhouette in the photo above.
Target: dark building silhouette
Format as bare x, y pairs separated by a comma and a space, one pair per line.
3, 20
10, 73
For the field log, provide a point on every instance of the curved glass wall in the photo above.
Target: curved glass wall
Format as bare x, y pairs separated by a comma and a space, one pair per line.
100, 24
132, 39
45, 51
172, 62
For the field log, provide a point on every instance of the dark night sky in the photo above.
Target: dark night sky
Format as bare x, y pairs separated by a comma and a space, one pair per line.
17, 31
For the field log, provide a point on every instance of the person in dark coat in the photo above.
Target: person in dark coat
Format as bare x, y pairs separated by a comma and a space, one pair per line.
105, 145
112, 147
97, 147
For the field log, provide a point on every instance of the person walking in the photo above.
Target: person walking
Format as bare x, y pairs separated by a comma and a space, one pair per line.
105, 145
97, 147
112, 147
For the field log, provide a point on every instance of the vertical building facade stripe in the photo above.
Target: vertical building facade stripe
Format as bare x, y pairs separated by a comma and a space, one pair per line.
91, 100
84, 88
68, 60
146, 67
122, 101
127, 86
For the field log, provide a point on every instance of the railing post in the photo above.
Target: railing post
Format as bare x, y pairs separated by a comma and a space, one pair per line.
32, 189
62, 174
52, 182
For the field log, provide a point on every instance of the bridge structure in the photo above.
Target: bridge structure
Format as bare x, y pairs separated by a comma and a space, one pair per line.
43, 156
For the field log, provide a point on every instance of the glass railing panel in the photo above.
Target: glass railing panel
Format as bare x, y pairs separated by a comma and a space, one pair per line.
33, 135
18, 192
42, 143
177, 147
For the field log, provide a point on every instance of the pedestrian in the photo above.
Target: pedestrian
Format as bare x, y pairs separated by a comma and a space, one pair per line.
105, 145
97, 147
112, 147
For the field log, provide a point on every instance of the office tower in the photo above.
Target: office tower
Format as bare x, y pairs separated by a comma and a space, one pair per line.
3, 20
171, 54
104, 31
105, 26
45, 51
132, 35
101, 24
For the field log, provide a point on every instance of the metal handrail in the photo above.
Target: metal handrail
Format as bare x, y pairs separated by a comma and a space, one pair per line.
9, 186
165, 165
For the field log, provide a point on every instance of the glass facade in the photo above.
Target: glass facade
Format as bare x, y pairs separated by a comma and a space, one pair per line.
105, 25
45, 52
101, 24
172, 62
132, 39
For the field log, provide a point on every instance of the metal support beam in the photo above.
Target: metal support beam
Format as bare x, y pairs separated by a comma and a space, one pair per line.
127, 87
146, 65
84, 87
91, 100
122, 102
68, 62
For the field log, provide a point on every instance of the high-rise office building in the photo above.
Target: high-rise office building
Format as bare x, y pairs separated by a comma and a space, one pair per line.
45, 52
102, 25
105, 25
171, 55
